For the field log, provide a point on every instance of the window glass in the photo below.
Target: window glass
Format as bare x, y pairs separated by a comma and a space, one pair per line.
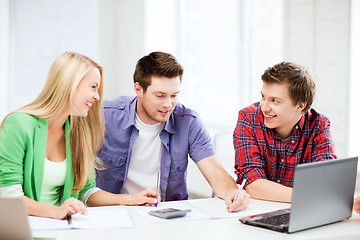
226, 46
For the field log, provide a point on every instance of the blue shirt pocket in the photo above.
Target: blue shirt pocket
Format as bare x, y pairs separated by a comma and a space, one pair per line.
178, 166
111, 159
112, 177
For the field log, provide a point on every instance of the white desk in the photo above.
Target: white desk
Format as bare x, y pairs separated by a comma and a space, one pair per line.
229, 228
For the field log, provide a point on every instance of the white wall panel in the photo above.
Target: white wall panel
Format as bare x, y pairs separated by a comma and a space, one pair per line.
318, 37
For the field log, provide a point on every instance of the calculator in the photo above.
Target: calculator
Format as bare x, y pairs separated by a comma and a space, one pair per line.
169, 213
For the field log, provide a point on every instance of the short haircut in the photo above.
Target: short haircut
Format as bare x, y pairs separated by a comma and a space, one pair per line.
158, 64
301, 83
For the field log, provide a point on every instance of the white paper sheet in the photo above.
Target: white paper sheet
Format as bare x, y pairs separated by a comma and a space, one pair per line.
40, 223
96, 218
200, 209
216, 208
195, 213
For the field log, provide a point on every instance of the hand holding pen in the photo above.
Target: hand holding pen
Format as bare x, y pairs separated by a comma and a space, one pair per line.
158, 195
241, 199
240, 189
145, 197
69, 207
69, 219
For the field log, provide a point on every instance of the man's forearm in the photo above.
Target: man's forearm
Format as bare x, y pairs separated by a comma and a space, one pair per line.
220, 181
267, 190
224, 186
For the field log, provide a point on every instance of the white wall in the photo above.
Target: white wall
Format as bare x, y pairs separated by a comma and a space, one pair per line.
33, 36
354, 112
126, 35
354, 109
122, 43
4, 57
318, 36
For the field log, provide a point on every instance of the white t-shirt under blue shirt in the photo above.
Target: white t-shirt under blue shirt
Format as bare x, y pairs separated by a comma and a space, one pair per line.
145, 158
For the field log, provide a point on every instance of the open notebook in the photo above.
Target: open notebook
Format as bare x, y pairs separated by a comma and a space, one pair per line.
16, 224
96, 218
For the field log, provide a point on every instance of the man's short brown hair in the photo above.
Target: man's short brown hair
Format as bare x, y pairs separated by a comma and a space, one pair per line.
301, 83
158, 64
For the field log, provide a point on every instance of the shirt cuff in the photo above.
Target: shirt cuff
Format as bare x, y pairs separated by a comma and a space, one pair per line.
11, 191
251, 174
84, 196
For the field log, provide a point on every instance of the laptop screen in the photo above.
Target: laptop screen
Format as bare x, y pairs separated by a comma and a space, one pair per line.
14, 219
323, 192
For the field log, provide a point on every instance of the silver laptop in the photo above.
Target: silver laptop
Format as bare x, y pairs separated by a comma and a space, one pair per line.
14, 224
323, 193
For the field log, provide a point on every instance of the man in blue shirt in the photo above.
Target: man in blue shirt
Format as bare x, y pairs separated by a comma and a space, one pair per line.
148, 139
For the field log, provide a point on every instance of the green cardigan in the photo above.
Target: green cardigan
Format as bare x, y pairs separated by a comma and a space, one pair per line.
23, 141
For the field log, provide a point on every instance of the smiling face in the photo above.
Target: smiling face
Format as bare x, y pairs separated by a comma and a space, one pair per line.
278, 109
157, 103
87, 92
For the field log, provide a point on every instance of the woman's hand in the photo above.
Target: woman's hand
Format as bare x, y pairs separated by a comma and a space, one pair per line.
69, 207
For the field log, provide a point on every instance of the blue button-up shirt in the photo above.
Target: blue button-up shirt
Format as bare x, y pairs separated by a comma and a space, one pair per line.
183, 134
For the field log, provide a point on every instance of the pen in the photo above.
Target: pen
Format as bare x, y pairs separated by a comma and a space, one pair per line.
68, 218
157, 187
240, 189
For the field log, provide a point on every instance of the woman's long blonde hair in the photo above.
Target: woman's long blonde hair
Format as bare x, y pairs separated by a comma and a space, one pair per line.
86, 133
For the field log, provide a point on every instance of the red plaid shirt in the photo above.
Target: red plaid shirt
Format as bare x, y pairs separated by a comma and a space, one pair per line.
261, 153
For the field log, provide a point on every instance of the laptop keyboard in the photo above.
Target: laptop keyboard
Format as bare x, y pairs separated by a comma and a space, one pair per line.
276, 220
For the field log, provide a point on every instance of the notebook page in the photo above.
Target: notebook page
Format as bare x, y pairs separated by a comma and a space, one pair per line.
216, 208
41, 223
103, 217
96, 218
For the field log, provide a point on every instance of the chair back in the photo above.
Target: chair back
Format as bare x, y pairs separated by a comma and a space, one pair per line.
223, 142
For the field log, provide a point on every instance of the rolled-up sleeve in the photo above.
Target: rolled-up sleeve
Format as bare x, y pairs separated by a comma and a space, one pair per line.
323, 145
13, 140
248, 162
84, 196
11, 191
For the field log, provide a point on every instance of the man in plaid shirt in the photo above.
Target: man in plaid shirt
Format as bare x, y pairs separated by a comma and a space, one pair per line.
279, 132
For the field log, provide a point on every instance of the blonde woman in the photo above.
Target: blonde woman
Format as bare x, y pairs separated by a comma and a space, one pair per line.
48, 147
